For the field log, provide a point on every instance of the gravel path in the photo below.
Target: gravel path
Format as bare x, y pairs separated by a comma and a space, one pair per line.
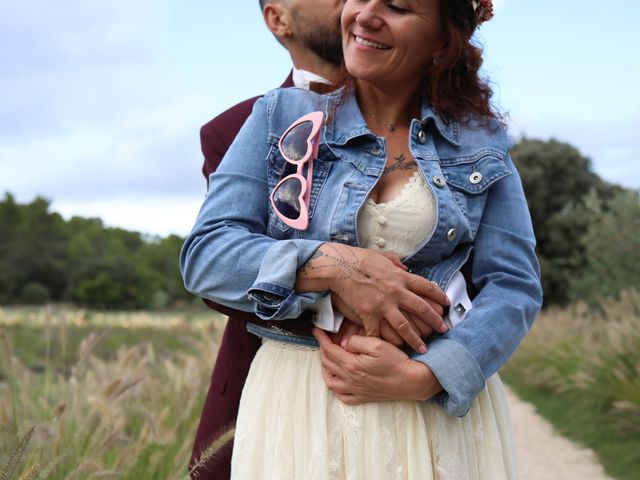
543, 454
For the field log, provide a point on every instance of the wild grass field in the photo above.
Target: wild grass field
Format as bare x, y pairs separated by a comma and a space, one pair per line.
90, 395
87, 395
580, 367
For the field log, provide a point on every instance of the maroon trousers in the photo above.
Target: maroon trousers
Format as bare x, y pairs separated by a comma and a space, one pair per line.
220, 410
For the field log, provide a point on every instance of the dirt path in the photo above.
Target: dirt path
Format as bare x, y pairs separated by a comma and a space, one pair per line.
542, 454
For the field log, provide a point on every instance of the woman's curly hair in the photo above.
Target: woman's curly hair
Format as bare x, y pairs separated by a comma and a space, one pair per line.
454, 86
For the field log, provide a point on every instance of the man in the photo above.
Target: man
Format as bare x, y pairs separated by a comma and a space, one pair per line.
310, 31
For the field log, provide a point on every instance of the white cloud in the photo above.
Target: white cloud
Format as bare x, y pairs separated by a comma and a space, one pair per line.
93, 112
163, 215
151, 152
103, 100
612, 145
68, 61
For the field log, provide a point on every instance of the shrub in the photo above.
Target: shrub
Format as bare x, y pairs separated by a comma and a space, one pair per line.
612, 246
34, 293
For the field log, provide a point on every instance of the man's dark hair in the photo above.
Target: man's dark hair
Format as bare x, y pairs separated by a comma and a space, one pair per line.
263, 3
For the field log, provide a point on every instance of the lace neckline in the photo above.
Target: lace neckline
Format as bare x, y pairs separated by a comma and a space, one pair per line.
413, 180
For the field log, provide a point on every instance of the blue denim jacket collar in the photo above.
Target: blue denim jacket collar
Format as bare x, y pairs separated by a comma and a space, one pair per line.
348, 123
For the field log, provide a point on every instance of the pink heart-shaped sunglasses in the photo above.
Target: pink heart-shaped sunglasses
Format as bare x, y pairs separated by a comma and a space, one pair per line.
298, 145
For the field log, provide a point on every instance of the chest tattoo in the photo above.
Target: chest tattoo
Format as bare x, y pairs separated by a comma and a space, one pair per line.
400, 163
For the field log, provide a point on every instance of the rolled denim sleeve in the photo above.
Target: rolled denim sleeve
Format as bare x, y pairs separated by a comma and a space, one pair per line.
227, 257
458, 372
272, 292
506, 272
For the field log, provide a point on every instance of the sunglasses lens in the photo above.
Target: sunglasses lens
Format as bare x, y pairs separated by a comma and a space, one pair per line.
294, 143
286, 198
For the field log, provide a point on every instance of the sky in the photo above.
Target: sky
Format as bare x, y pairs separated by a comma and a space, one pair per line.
102, 100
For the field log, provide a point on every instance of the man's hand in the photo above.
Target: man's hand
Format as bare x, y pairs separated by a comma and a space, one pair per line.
372, 370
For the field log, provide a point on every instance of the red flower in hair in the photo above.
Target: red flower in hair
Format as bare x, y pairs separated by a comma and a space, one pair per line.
483, 10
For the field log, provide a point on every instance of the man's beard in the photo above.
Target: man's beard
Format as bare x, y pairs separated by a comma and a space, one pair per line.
321, 40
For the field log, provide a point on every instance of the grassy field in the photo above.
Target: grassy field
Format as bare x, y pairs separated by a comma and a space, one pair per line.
87, 395
581, 369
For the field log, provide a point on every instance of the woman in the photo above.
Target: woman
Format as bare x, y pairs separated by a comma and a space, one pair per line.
408, 161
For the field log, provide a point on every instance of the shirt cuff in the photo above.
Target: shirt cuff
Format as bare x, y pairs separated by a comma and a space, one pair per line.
325, 316
272, 294
457, 371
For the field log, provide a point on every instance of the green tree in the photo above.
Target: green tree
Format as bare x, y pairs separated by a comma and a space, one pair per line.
556, 180
119, 284
161, 255
32, 247
35, 293
10, 277
612, 246
42, 256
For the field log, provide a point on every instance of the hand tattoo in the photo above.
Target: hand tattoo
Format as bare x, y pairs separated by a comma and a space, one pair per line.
307, 267
348, 263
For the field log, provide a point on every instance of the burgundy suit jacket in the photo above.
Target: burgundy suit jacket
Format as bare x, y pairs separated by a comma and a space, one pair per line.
238, 346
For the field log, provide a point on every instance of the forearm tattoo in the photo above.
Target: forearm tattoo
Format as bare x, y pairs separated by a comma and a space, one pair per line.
348, 264
400, 163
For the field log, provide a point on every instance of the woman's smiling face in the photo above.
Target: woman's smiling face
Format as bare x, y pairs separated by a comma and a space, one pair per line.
390, 43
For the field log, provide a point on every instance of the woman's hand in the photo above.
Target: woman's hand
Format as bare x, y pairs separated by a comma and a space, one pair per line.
372, 370
353, 326
375, 288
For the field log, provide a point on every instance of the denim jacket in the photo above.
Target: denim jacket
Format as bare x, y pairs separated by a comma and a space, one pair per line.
240, 254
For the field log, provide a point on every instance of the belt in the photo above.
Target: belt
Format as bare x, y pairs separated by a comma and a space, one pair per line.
300, 326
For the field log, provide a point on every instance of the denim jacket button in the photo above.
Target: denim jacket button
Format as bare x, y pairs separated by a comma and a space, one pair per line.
451, 234
475, 178
422, 137
439, 181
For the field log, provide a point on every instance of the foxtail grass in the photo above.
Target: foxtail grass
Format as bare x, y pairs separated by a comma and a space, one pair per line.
126, 414
15, 458
211, 451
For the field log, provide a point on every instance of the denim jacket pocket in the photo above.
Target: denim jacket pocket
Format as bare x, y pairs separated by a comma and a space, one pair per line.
277, 167
469, 179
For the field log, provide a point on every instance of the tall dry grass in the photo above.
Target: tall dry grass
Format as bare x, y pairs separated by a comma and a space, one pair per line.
581, 367
133, 414
130, 416
595, 352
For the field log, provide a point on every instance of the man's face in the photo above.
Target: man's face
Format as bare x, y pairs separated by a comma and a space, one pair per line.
316, 24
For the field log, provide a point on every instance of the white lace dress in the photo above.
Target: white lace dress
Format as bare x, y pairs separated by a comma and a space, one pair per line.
291, 427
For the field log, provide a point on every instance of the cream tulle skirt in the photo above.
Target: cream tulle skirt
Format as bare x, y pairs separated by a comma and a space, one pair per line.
291, 427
